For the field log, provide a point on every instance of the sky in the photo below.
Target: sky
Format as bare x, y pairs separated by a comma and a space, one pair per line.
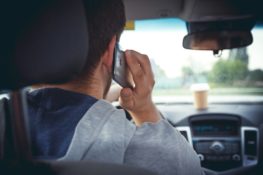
162, 40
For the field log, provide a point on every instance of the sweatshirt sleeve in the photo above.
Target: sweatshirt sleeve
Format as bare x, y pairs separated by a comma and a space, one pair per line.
161, 148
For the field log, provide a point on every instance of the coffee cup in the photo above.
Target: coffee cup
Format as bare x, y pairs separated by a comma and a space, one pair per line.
200, 95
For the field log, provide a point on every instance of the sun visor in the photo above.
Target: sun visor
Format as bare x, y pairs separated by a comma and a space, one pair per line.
216, 10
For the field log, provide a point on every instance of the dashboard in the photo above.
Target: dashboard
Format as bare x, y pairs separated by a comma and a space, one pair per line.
226, 137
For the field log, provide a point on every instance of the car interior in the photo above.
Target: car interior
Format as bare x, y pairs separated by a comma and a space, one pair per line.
227, 134
214, 44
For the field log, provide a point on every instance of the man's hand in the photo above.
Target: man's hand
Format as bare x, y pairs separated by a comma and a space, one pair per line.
138, 101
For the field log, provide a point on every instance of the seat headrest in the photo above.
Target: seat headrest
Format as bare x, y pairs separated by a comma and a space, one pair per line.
41, 41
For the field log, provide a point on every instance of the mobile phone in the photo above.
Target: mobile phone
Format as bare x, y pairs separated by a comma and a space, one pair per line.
120, 72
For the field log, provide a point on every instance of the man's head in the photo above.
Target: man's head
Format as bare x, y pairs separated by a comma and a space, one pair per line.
106, 19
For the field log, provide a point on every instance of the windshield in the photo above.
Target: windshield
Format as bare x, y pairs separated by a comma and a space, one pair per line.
233, 73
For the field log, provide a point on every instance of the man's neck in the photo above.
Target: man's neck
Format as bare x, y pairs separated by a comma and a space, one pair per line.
94, 84
92, 88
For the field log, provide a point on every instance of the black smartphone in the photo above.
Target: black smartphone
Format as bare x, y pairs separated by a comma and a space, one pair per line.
120, 72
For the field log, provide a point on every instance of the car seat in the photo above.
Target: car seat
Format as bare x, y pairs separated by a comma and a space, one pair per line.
40, 42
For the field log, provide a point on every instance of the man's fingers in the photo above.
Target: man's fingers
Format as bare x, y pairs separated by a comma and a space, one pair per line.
134, 66
145, 63
139, 62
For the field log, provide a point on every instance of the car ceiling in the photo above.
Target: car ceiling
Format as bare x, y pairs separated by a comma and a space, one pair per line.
193, 10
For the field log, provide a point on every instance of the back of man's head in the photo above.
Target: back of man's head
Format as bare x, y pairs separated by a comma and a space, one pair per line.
106, 18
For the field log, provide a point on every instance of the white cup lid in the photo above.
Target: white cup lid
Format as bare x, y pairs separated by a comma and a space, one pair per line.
200, 87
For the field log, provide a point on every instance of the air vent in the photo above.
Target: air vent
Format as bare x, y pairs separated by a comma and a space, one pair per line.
186, 132
250, 145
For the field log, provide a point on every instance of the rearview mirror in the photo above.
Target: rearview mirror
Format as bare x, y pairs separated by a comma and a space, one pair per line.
219, 35
217, 40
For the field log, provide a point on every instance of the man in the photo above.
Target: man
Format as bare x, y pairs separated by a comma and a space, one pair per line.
71, 121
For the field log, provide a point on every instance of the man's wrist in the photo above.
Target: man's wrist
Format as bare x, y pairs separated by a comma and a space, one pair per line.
148, 114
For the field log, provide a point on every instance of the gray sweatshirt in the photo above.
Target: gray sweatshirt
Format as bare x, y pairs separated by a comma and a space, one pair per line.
105, 135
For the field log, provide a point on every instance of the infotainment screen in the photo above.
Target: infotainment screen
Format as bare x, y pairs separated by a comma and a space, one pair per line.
215, 128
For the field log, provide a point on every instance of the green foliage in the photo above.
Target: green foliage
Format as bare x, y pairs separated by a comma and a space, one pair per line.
228, 71
256, 75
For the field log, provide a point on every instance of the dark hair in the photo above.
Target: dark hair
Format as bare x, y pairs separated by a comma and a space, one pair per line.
106, 18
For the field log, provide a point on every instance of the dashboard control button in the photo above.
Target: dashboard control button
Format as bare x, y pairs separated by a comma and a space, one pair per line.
201, 157
217, 147
236, 157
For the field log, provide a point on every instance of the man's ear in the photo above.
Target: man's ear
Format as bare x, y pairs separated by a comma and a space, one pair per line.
107, 57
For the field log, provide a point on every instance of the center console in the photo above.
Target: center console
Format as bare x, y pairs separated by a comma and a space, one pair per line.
221, 142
